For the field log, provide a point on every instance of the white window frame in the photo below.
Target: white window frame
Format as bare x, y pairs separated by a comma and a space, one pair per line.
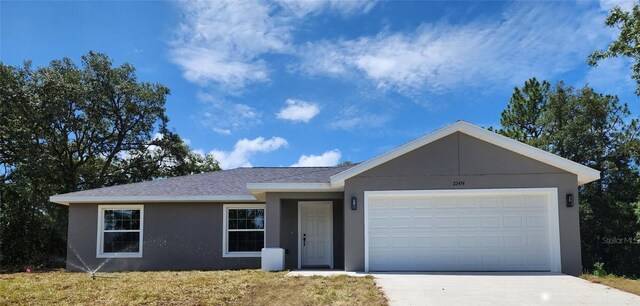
225, 229
100, 240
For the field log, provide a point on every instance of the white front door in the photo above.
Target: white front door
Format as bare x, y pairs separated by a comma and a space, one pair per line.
316, 243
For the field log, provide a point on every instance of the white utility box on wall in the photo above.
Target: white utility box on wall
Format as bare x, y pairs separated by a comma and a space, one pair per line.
272, 259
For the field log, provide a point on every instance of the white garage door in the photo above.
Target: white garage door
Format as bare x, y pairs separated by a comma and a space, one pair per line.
462, 230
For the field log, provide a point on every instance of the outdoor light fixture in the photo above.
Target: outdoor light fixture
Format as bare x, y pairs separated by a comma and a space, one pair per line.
569, 199
354, 203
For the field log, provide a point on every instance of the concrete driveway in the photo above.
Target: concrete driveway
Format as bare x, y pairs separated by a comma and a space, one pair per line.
497, 289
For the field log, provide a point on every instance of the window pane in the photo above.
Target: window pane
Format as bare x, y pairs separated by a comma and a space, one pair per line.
122, 219
242, 224
246, 241
242, 213
127, 242
258, 222
246, 218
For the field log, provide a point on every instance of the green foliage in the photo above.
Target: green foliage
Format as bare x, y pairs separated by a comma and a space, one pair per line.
598, 269
345, 163
628, 42
594, 130
521, 119
66, 128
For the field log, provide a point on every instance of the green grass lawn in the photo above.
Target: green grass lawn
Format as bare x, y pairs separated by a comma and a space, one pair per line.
622, 283
243, 287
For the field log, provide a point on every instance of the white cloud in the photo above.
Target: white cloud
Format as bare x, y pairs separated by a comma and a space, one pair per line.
244, 149
611, 76
329, 158
199, 152
529, 40
223, 41
225, 117
222, 131
298, 110
626, 5
301, 8
353, 117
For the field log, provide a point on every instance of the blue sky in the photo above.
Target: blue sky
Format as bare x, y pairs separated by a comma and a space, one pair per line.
280, 83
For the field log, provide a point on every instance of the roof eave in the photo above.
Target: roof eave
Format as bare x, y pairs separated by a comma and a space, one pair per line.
259, 190
66, 200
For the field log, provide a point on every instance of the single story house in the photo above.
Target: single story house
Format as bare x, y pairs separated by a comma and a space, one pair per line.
459, 199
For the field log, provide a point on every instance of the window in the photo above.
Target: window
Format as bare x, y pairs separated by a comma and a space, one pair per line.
120, 231
243, 230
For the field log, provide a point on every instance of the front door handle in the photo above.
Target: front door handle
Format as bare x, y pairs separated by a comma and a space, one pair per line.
304, 239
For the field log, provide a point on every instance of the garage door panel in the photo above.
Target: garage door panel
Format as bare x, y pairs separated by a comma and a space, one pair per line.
511, 202
514, 241
489, 202
468, 241
422, 222
513, 221
537, 221
445, 222
379, 222
424, 241
459, 233
440, 203
401, 222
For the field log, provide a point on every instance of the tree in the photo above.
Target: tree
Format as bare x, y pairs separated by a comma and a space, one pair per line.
166, 155
520, 120
628, 42
595, 130
66, 128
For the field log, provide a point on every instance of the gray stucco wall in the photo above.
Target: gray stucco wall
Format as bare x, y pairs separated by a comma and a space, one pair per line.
177, 236
459, 157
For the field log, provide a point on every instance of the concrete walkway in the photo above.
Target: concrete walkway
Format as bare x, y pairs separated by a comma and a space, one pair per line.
497, 289
325, 273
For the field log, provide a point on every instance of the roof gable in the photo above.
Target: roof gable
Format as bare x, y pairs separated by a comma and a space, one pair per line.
584, 173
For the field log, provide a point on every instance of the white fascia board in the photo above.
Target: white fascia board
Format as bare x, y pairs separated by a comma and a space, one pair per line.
584, 173
338, 179
66, 200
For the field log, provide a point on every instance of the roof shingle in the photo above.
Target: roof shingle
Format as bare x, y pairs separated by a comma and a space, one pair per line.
218, 183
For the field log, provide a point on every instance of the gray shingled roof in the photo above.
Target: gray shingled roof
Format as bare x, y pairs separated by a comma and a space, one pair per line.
219, 183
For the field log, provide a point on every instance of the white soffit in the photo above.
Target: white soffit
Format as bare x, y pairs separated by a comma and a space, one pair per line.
584, 173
